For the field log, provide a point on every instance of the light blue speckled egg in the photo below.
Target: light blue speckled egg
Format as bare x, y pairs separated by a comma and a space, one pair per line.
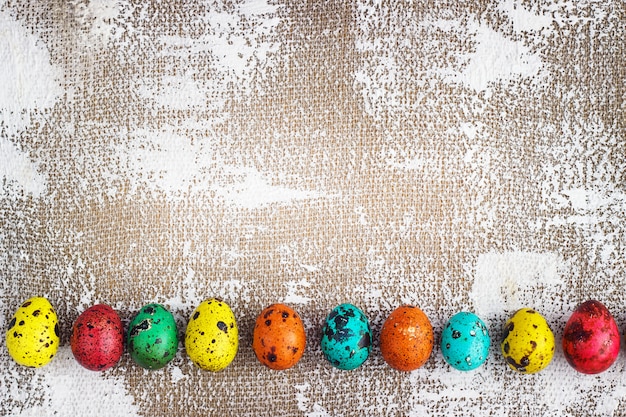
465, 341
346, 337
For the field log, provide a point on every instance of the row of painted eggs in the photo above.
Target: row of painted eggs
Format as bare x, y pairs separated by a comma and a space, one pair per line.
591, 340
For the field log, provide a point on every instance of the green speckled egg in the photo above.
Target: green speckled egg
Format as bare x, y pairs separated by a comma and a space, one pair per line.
152, 337
346, 337
465, 341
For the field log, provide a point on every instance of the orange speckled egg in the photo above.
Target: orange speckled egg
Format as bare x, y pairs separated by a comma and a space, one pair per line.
279, 338
406, 339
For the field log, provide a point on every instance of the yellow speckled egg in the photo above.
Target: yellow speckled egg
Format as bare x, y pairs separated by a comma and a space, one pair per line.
528, 342
33, 334
212, 336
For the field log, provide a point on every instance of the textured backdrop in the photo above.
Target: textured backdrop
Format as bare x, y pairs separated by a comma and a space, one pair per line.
461, 155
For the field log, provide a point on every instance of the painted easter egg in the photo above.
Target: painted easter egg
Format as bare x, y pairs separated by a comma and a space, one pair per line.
465, 341
212, 336
279, 338
97, 339
152, 337
406, 339
528, 343
32, 337
591, 339
346, 337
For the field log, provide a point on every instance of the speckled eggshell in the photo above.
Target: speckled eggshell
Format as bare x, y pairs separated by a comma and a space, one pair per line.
591, 339
32, 336
152, 337
212, 336
346, 337
279, 338
465, 341
528, 342
97, 339
406, 338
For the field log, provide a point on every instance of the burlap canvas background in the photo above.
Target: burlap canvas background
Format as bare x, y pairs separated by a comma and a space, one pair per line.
452, 155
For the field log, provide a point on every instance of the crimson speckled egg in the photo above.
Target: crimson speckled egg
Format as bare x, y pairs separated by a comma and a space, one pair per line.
591, 339
279, 337
97, 339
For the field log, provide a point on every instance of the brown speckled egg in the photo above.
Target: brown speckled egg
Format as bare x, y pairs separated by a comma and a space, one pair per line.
279, 338
406, 339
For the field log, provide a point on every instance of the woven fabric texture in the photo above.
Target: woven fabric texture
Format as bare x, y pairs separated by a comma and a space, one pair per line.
454, 155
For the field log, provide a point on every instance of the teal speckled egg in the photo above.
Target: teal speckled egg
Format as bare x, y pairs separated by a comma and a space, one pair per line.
152, 337
465, 341
346, 337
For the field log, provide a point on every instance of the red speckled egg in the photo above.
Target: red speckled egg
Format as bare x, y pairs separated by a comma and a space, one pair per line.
279, 338
406, 339
591, 339
98, 338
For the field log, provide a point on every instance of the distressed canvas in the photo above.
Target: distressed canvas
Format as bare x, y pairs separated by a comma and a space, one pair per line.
453, 155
